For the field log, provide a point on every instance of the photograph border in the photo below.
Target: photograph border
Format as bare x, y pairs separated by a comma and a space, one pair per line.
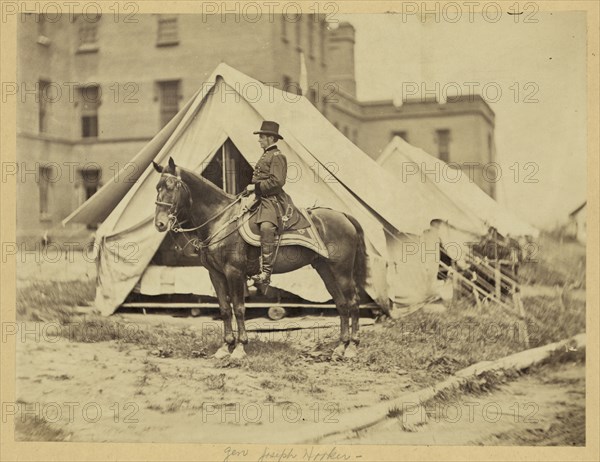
59, 451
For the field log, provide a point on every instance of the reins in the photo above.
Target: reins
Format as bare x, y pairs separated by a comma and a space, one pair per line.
177, 229
196, 242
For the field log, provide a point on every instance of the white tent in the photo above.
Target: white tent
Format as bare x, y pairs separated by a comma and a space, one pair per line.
324, 168
417, 169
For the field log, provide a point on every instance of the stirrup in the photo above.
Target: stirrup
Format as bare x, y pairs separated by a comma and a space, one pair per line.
262, 278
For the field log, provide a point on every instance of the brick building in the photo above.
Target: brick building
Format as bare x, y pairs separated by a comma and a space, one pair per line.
92, 93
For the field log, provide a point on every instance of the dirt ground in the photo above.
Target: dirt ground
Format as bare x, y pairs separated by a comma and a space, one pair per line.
122, 393
111, 391
546, 407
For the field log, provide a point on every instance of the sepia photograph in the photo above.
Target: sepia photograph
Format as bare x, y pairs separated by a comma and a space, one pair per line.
302, 231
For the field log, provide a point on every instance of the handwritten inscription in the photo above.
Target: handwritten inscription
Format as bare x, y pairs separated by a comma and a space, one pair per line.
312, 454
231, 452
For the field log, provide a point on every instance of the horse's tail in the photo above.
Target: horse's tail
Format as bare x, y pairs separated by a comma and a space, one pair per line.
360, 271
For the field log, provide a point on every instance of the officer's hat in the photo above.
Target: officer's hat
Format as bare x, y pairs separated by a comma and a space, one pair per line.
269, 128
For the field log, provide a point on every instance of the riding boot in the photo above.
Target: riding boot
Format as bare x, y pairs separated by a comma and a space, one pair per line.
268, 232
267, 250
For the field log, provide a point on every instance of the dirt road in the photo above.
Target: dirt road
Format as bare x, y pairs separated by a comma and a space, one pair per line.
546, 407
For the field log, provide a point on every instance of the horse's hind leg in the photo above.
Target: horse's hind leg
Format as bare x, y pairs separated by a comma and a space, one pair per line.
355, 315
350, 302
220, 284
341, 304
354, 312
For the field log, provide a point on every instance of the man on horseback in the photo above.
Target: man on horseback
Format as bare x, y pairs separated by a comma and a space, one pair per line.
274, 205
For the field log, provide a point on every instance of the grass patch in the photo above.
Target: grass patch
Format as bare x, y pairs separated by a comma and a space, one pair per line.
34, 428
164, 341
568, 430
433, 346
269, 356
551, 319
53, 301
563, 356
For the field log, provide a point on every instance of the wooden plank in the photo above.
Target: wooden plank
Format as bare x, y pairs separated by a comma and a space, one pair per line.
190, 305
498, 279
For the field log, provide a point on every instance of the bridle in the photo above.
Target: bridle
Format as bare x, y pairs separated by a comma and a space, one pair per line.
175, 223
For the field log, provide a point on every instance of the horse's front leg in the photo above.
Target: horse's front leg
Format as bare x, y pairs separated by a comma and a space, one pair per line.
235, 283
351, 350
220, 284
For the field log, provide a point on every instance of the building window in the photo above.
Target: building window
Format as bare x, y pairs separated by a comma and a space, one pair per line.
43, 86
45, 174
312, 93
88, 36
169, 100
167, 31
345, 131
401, 133
443, 141
90, 181
89, 98
490, 147
355, 136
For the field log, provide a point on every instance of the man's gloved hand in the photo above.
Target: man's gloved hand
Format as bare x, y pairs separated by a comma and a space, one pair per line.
249, 189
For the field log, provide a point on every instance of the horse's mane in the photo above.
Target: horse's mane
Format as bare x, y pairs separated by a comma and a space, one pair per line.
199, 178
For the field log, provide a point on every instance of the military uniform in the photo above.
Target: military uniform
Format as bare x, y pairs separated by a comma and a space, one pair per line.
269, 177
275, 212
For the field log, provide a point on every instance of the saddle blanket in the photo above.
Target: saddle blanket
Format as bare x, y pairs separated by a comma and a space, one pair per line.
305, 237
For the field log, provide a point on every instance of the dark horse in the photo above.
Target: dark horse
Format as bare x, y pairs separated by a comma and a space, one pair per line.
206, 218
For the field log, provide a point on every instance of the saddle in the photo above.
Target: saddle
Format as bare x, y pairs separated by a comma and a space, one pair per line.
295, 232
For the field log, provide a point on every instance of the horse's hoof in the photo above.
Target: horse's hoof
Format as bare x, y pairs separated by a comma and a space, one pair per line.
338, 353
239, 352
351, 351
222, 352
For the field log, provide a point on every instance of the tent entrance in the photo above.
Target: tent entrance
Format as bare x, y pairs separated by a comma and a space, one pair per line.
228, 169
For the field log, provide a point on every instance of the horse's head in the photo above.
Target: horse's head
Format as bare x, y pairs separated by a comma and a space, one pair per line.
173, 197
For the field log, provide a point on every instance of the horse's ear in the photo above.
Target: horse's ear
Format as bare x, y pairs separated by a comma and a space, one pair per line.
157, 167
171, 164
